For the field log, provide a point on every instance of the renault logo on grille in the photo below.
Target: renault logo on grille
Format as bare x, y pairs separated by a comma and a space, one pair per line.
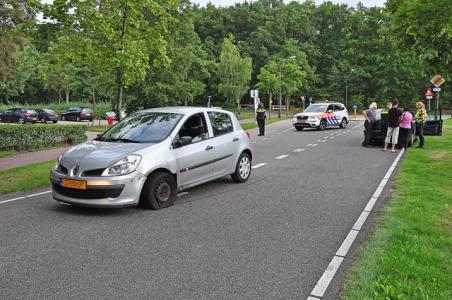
75, 170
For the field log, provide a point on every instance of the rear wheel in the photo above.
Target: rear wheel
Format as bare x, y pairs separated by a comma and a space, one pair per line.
63, 118
242, 169
322, 125
343, 123
54, 122
21, 121
78, 119
159, 191
43, 120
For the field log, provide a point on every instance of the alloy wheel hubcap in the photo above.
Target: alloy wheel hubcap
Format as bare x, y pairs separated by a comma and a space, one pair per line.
244, 167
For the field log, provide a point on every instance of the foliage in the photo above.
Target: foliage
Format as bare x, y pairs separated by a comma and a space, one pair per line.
25, 137
234, 72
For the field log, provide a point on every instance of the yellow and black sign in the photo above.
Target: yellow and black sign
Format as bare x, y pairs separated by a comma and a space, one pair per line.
437, 80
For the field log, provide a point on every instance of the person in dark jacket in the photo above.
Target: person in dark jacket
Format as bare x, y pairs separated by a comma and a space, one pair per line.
260, 118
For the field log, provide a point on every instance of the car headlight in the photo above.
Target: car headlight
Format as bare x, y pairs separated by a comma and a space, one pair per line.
57, 163
124, 166
311, 117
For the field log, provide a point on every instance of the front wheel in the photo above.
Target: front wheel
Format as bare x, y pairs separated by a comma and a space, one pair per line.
63, 118
159, 191
242, 169
54, 122
343, 123
322, 125
43, 121
78, 119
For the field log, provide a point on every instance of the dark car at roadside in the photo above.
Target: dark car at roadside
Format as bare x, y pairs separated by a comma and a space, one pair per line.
47, 115
76, 113
19, 115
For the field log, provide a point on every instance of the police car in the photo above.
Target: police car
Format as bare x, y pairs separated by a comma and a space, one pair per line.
321, 115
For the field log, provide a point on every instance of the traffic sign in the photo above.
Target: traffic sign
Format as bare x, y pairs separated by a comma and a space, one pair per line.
254, 93
428, 97
437, 80
429, 93
437, 89
355, 106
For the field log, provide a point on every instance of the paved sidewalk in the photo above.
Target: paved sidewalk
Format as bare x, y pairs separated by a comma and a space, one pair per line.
28, 158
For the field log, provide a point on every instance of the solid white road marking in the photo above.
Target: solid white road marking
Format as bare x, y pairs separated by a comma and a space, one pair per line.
281, 156
37, 194
325, 279
313, 298
10, 200
181, 194
327, 276
343, 249
258, 165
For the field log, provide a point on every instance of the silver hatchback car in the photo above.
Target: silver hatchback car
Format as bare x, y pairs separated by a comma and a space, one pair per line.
150, 156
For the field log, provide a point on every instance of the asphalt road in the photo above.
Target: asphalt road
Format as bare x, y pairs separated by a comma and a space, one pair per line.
269, 238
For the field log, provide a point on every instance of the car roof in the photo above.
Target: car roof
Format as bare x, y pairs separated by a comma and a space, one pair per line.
184, 110
325, 103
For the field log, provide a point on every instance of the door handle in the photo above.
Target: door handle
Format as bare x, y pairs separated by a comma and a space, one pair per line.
235, 139
209, 148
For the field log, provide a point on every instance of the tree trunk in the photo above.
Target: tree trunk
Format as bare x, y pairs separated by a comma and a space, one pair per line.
67, 95
59, 96
120, 94
238, 107
120, 71
185, 102
94, 96
270, 95
287, 105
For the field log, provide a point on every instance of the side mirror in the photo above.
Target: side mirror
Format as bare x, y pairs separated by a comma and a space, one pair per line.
182, 141
329, 111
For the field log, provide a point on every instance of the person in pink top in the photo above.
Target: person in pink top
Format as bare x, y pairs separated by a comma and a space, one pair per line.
405, 127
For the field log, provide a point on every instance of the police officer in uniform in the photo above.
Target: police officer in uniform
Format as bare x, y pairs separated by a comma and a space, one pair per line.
260, 118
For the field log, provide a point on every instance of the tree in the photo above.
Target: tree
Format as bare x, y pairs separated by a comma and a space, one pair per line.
125, 34
234, 72
426, 27
13, 15
14, 85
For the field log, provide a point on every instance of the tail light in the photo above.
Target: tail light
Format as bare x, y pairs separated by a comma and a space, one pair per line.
248, 134
26, 115
82, 114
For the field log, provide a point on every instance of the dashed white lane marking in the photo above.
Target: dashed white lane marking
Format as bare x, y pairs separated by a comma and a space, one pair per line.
264, 139
318, 141
309, 145
281, 156
287, 130
313, 145
332, 137
313, 298
328, 275
258, 165
299, 150
23, 197
181, 194
323, 141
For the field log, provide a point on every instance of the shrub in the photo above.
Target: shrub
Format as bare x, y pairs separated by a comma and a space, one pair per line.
28, 137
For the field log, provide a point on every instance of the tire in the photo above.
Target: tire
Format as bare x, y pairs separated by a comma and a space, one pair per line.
322, 125
43, 121
343, 123
299, 128
78, 119
242, 169
63, 118
21, 121
54, 122
159, 191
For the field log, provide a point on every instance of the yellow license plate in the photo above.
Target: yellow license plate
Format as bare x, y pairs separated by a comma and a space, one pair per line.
301, 121
73, 184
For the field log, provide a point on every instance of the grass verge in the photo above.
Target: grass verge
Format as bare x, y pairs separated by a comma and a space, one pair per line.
6, 153
252, 125
25, 178
408, 256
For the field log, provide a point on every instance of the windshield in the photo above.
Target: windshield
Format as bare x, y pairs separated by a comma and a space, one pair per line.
316, 108
142, 128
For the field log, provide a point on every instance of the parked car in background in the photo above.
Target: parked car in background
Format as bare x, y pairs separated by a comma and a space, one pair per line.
76, 113
151, 155
45, 115
19, 115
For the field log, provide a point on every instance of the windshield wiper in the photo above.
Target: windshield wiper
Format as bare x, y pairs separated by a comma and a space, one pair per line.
121, 140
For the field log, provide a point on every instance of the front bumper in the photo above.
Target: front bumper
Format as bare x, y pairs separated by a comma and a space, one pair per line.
118, 191
306, 123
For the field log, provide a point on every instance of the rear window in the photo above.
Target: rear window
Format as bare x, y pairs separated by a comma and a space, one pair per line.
86, 110
74, 109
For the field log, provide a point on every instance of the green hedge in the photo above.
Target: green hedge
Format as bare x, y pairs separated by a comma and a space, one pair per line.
28, 137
